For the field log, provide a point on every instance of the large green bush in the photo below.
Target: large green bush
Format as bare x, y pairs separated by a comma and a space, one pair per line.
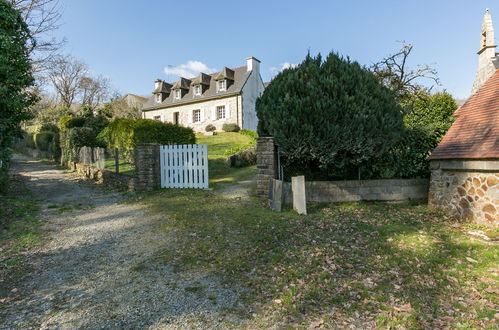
127, 133
16, 79
63, 122
428, 120
231, 127
73, 139
43, 140
329, 117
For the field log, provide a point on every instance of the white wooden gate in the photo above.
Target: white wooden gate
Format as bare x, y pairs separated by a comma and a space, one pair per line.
184, 166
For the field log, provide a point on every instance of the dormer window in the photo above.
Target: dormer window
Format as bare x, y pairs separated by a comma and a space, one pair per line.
197, 90
158, 98
221, 85
178, 94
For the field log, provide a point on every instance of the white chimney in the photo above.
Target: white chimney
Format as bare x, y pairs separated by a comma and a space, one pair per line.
253, 64
157, 82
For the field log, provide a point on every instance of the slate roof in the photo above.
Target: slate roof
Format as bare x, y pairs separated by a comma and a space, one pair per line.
240, 75
475, 133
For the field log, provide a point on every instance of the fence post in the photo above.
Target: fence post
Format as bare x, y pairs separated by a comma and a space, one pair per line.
266, 164
147, 166
116, 160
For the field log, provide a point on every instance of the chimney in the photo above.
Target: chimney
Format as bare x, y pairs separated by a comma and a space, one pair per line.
157, 83
253, 64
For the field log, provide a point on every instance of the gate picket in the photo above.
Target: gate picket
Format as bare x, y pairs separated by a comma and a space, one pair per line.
184, 166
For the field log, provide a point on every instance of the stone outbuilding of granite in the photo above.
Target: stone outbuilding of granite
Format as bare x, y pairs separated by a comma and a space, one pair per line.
465, 165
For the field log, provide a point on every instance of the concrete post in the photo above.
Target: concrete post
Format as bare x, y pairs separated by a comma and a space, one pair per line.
276, 202
266, 164
147, 166
299, 196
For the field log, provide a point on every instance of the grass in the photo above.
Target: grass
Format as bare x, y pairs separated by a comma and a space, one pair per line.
19, 232
125, 167
219, 171
357, 263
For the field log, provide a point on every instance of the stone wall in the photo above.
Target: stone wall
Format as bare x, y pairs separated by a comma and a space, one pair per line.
266, 165
108, 178
467, 190
361, 190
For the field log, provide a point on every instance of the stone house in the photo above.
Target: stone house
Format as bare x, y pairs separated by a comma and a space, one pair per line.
228, 96
465, 165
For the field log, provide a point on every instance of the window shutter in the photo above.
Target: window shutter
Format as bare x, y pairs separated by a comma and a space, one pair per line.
227, 111
191, 114
201, 114
213, 113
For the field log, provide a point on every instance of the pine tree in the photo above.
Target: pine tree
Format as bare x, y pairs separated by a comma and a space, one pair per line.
330, 115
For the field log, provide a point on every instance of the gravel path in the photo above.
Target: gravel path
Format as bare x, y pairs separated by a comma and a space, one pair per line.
93, 271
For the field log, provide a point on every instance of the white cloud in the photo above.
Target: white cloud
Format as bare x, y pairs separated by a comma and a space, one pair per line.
189, 69
286, 65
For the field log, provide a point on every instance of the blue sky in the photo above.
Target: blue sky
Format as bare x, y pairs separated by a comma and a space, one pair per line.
132, 42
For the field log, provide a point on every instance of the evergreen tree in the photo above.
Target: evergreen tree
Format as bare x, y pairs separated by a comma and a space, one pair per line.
331, 115
15, 78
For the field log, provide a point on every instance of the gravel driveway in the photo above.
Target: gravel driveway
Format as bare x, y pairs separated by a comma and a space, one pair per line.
93, 270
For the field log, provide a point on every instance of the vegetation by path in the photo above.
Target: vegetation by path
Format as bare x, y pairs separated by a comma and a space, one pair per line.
367, 265
19, 232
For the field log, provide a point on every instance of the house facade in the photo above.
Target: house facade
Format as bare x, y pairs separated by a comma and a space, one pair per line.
228, 96
465, 165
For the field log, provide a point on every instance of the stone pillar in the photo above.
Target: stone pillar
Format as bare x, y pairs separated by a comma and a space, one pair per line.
147, 166
266, 164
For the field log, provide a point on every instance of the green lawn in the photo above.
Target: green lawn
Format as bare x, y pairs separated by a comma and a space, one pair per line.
355, 263
125, 167
218, 170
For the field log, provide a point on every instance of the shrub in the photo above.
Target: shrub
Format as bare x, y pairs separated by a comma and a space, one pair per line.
329, 116
49, 128
243, 158
96, 123
28, 140
63, 123
74, 138
76, 122
231, 128
249, 133
43, 139
210, 128
127, 133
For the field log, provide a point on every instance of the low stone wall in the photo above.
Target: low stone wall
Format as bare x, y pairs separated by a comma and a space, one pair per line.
111, 179
361, 190
467, 190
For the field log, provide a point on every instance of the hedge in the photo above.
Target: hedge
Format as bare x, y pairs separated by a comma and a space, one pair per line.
231, 128
74, 138
42, 140
127, 133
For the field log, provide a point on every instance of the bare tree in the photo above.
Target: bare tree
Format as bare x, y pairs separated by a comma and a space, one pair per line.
93, 91
42, 17
66, 74
394, 73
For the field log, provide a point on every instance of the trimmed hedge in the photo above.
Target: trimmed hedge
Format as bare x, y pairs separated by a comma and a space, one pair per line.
231, 128
127, 133
74, 138
249, 133
42, 140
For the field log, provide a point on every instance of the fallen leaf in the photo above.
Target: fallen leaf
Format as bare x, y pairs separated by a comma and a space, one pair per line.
471, 260
316, 324
278, 301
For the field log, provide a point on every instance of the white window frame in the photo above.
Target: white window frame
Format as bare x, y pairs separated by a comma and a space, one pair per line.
222, 85
197, 90
178, 94
221, 110
198, 112
158, 98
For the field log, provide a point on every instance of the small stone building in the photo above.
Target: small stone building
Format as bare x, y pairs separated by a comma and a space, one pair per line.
465, 165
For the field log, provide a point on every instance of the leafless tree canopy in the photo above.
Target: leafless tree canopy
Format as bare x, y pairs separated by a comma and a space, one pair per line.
394, 73
42, 17
93, 91
65, 74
